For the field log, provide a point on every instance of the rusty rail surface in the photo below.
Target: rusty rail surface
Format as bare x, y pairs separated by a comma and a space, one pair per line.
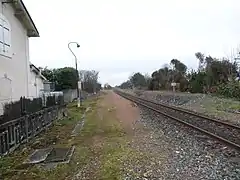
18, 131
222, 131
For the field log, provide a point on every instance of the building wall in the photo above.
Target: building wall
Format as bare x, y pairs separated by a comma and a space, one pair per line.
40, 86
71, 94
35, 85
14, 70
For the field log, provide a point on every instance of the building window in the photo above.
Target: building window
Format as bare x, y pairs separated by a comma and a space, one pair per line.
5, 36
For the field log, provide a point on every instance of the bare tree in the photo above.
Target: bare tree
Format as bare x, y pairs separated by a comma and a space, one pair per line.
89, 79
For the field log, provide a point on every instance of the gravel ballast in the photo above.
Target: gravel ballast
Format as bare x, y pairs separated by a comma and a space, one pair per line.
225, 109
178, 152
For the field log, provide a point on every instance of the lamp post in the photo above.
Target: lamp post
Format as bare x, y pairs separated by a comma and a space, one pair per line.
78, 92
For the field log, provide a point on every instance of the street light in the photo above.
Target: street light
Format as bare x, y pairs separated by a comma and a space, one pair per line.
78, 93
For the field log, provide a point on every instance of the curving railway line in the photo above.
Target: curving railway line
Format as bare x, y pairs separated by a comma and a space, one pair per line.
222, 131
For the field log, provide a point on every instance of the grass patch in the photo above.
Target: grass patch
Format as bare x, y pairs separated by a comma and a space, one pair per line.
58, 135
100, 153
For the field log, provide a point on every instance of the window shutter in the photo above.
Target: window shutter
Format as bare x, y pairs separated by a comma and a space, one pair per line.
5, 36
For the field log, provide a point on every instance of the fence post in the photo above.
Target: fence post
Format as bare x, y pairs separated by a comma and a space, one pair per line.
21, 106
26, 127
23, 113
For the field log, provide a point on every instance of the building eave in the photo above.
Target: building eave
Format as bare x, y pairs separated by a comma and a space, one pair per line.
37, 72
24, 17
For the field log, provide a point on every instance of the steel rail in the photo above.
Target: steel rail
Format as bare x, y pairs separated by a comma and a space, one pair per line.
144, 102
196, 114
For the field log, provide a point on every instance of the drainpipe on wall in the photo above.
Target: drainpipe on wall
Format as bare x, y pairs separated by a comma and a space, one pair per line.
27, 65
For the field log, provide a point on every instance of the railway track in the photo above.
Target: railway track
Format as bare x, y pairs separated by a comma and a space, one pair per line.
222, 131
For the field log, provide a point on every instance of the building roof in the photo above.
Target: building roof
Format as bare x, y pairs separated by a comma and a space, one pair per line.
37, 71
24, 17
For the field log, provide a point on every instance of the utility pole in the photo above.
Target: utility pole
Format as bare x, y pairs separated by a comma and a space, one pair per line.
76, 66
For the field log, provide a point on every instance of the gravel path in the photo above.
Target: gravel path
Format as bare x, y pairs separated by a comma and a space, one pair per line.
152, 157
187, 154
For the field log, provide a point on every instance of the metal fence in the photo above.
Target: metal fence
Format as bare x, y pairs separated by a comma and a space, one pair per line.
16, 109
20, 130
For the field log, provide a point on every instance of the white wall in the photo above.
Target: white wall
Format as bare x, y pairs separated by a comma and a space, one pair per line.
16, 67
35, 85
40, 86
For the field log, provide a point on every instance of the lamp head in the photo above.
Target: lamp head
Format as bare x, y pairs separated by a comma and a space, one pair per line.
78, 46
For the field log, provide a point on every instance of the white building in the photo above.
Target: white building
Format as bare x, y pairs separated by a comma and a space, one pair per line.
16, 27
36, 85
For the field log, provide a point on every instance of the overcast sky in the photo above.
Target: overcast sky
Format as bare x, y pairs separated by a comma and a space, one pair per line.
119, 37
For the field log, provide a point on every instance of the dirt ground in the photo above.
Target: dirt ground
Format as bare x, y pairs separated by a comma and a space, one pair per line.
111, 144
126, 112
